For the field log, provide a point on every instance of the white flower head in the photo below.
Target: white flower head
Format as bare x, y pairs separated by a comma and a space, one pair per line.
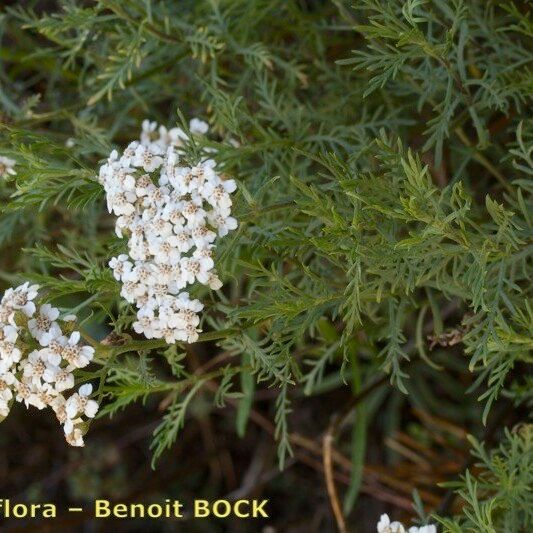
171, 214
40, 376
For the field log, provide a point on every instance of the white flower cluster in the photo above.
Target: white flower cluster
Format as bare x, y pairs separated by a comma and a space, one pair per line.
37, 360
7, 167
386, 526
171, 214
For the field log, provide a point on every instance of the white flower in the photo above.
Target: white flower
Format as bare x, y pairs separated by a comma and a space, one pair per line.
217, 192
386, 526
21, 298
124, 222
194, 214
53, 353
34, 367
79, 403
7, 382
62, 378
173, 137
121, 203
7, 167
126, 160
74, 436
29, 393
184, 302
203, 236
142, 274
191, 333
156, 198
76, 355
430, 528
147, 324
204, 255
173, 213
43, 327
9, 355
169, 274
223, 224
146, 159
182, 241
214, 281
198, 126
165, 250
125, 180
159, 227
194, 269
147, 130
9, 333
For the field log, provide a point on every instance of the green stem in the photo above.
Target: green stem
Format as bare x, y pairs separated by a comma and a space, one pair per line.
359, 430
153, 344
482, 160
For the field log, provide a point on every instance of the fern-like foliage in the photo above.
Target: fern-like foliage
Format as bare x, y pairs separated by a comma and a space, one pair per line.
384, 156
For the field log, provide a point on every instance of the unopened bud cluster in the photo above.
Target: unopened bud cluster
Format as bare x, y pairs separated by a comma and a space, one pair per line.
171, 214
38, 354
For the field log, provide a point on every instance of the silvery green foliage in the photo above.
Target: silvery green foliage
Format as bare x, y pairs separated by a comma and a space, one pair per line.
497, 497
384, 160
